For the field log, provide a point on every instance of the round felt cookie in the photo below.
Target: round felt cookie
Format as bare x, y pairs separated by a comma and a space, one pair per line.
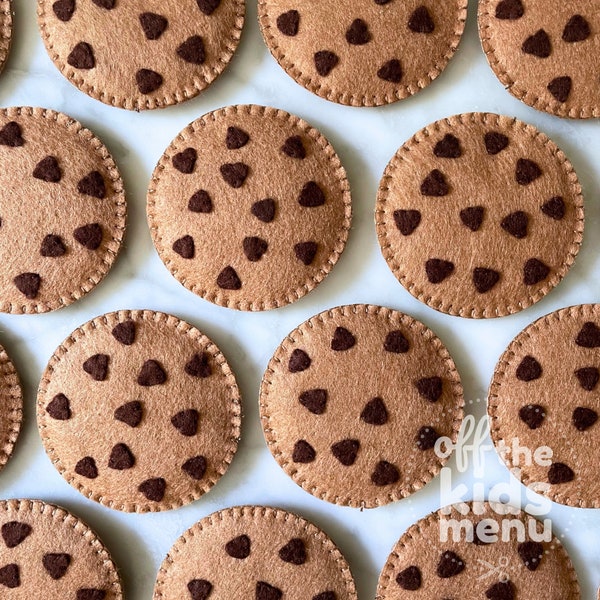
11, 407
546, 58
6, 31
139, 411
495, 557
136, 54
43, 547
353, 402
249, 207
62, 236
479, 215
254, 552
546, 393
363, 52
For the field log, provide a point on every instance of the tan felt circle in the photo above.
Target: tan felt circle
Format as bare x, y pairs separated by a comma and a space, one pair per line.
479, 215
423, 567
139, 411
353, 401
6, 31
43, 547
11, 407
59, 241
254, 552
363, 52
545, 392
141, 54
249, 207
546, 58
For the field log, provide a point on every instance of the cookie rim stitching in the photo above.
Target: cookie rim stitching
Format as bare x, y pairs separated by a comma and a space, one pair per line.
13, 392
344, 98
6, 31
119, 201
331, 314
500, 371
504, 121
268, 302
138, 103
181, 327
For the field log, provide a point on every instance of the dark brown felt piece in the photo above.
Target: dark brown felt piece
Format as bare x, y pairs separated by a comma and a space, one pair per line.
154, 25
391, 71
199, 589
503, 590
375, 412
10, 576
195, 467
82, 56
472, 217
426, 438
538, 45
485, 279
294, 552
294, 148
235, 174
450, 564
314, 400
560, 87
151, 374
59, 408
153, 489
185, 161
53, 246
186, 422
306, 251
89, 236
266, 591
200, 202
407, 220
409, 579
228, 279
535, 271
438, 269
385, 473
435, 184
185, 247
86, 467
529, 369
48, 170
299, 361
510, 10
588, 378
56, 564
532, 415
148, 81
97, 366
448, 147
121, 458
577, 29
199, 366
421, 21
264, 210
28, 284
555, 208
125, 332
560, 473
358, 33
531, 553
584, 418
11, 135
527, 171
589, 336
342, 340
130, 413
236, 138
430, 388
311, 195
254, 248
516, 224
106, 4
495, 142
289, 23
64, 9
15, 533
325, 62
208, 7
346, 451
193, 50
93, 185
239, 547
303, 452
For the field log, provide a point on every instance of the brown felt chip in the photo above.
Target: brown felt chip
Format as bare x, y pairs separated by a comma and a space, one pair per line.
268, 179
364, 53
43, 547
153, 59
152, 420
453, 241
257, 553
11, 407
548, 377
61, 238
351, 440
546, 58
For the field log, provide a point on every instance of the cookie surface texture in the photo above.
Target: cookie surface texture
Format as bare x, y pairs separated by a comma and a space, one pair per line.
249, 207
11, 407
139, 411
141, 55
44, 547
479, 215
353, 402
546, 58
484, 562
363, 52
254, 552
545, 392
6, 31
63, 235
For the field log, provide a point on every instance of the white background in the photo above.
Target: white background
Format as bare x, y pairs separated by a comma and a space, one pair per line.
365, 139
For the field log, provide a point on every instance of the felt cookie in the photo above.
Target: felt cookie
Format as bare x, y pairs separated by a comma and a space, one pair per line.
6, 31
546, 393
139, 55
546, 58
139, 411
11, 407
58, 241
353, 402
249, 207
488, 560
254, 552
46, 552
479, 215
363, 52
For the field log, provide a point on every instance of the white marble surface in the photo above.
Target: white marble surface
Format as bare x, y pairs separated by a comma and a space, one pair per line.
365, 139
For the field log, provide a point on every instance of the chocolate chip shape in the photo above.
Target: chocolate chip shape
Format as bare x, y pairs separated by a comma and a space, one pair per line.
472, 217
28, 284
15, 533
495, 142
56, 564
148, 81
311, 195
64, 9
503, 590
294, 148
199, 366
48, 170
228, 279
342, 340
89, 236
195, 467
391, 71
516, 224
584, 418
186, 422
151, 374
531, 553
588, 378
485, 279
236, 138
90, 594
208, 7
264, 210
82, 56
426, 438
535, 271
527, 171
185, 247
264, 591
358, 33
293, 552
200, 202
409, 579
420, 21
59, 408
532, 415
510, 10
303, 452
346, 451
538, 45
199, 589
130, 413
529, 369
555, 208
449, 565
235, 174
107, 4
407, 220
185, 161
589, 336
396, 342
577, 29
153, 489
305, 252
299, 361
375, 412
560, 473
430, 388
560, 88
121, 458
52, 246
289, 23
11, 135
97, 367
153, 25
315, 401
326, 596
192, 51
254, 248
385, 473
87, 468
448, 147
435, 184
92, 185
239, 547
124, 332
437, 269
325, 62
10, 577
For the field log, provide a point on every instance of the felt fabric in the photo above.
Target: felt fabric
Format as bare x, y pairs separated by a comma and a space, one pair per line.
558, 408
6, 31
486, 233
47, 552
254, 552
546, 58
348, 426
253, 225
360, 52
422, 567
157, 429
128, 57
11, 407
59, 241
